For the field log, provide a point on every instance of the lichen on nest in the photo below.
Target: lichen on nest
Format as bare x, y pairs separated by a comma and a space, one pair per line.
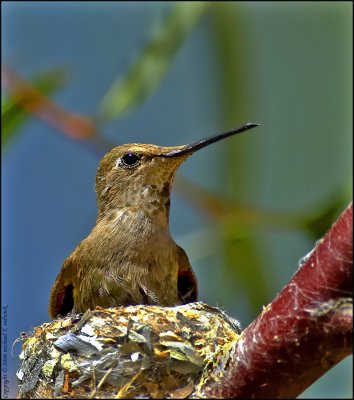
128, 352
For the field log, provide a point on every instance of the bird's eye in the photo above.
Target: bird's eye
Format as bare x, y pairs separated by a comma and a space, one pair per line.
130, 160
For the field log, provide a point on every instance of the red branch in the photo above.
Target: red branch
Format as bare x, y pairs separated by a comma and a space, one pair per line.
304, 332
34, 101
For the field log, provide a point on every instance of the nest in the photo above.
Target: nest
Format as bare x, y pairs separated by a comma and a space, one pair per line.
128, 352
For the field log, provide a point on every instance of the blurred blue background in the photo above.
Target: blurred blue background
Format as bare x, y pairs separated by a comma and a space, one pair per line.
287, 66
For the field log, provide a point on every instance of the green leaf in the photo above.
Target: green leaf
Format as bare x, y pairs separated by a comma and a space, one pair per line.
245, 252
146, 73
12, 112
246, 260
319, 223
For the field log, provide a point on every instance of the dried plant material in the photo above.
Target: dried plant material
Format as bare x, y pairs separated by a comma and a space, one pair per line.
127, 352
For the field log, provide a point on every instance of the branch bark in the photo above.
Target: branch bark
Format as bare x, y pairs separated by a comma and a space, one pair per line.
304, 332
196, 350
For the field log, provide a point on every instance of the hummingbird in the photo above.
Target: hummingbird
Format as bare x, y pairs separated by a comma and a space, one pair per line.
130, 257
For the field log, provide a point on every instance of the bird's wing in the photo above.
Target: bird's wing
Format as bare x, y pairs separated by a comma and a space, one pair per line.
187, 281
62, 295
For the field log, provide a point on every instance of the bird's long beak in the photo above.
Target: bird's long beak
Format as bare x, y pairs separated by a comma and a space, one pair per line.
191, 148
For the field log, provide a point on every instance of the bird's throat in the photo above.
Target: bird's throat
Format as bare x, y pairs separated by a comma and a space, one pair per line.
148, 204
